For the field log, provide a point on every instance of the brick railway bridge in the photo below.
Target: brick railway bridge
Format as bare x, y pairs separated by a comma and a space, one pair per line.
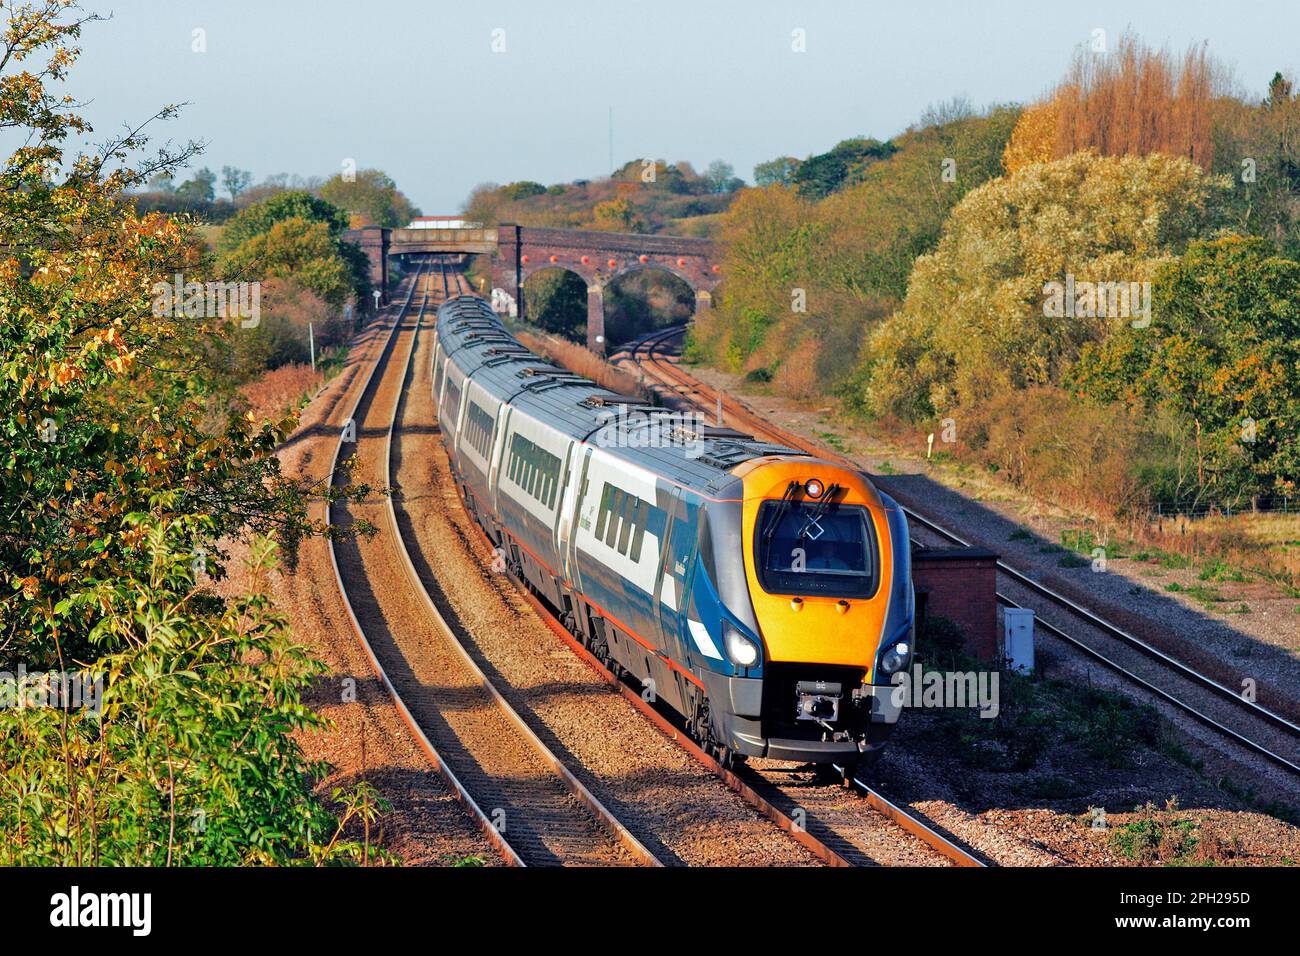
517, 252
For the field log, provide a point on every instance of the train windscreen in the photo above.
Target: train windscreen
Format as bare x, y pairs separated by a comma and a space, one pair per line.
816, 548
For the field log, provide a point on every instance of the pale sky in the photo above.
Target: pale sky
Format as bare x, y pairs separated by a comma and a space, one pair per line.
416, 89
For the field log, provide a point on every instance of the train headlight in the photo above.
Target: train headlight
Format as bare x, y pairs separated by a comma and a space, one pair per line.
740, 649
895, 659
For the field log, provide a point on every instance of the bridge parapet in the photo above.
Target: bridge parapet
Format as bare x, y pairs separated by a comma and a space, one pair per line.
476, 241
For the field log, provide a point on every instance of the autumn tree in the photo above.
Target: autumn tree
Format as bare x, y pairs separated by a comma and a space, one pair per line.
1222, 352
806, 281
1134, 100
370, 197
974, 322
1258, 146
295, 249
820, 175
616, 215
112, 520
257, 219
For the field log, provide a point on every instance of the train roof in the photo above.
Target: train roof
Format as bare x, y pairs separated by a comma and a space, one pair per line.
695, 454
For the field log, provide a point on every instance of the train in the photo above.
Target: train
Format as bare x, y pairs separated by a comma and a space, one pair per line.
763, 594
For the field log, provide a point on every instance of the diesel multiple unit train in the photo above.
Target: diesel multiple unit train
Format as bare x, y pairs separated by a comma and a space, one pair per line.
762, 593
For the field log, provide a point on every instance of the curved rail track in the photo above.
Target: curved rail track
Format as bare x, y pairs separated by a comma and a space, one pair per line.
530, 806
1252, 720
833, 842
829, 839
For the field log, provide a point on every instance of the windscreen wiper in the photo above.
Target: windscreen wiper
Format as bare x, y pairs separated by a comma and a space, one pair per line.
781, 509
820, 510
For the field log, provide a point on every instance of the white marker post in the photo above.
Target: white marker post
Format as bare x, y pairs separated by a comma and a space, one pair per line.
311, 342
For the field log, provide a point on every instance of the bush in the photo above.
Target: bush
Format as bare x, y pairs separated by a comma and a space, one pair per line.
191, 760
974, 325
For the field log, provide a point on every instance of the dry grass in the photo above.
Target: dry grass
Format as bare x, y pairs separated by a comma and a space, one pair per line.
578, 360
280, 392
798, 375
1082, 463
1265, 542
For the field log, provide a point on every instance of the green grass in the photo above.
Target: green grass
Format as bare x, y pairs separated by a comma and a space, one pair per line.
1207, 597
833, 440
1248, 795
1221, 571
1081, 541
1045, 720
1156, 838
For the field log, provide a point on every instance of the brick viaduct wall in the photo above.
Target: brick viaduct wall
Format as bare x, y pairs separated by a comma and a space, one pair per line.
374, 242
598, 258
961, 585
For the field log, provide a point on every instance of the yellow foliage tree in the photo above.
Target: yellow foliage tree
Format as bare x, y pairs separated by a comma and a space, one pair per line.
974, 323
1034, 138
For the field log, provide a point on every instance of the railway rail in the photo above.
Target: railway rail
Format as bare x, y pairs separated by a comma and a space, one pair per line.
1149, 668
830, 840
788, 812
826, 841
531, 807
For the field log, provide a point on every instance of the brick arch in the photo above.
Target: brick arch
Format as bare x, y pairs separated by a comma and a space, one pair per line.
703, 297
523, 250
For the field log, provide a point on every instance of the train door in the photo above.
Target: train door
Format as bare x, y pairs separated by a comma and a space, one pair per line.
504, 412
574, 491
560, 530
671, 593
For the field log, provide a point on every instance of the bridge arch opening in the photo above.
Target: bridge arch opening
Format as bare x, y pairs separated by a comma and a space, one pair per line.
645, 298
555, 300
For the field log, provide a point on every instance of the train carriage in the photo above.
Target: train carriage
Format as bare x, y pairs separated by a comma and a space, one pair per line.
762, 593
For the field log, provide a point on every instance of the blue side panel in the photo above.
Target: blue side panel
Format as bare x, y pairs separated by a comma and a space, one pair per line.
620, 597
528, 529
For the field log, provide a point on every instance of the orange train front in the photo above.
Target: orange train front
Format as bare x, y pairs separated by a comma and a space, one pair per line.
763, 594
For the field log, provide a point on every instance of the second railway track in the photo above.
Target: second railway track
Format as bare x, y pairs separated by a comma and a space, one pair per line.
1233, 717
